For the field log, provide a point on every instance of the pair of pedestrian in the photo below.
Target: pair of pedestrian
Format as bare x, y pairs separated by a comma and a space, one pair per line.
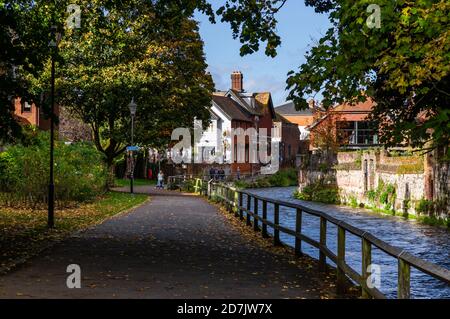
216, 173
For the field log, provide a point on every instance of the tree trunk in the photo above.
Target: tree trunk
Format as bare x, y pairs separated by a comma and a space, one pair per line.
110, 178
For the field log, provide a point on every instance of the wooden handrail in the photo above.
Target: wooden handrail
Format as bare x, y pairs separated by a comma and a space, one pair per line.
405, 260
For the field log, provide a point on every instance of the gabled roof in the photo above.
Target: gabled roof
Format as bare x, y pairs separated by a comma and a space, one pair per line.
362, 107
236, 96
231, 108
347, 108
289, 109
264, 100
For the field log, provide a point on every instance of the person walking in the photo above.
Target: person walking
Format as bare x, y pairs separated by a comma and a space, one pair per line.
211, 173
238, 173
160, 180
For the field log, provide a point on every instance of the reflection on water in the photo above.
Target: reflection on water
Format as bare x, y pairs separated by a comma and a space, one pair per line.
426, 242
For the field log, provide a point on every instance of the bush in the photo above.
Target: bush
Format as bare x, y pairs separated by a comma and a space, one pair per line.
79, 171
424, 207
283, 178
326, 195
353, 202
318, 192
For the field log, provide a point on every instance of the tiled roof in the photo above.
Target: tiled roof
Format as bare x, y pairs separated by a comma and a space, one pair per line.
346, 108
365, 107
231, 108
289, 109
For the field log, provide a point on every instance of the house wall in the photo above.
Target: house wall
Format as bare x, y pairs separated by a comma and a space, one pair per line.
290, 137
213, 136
31, 117
303, 122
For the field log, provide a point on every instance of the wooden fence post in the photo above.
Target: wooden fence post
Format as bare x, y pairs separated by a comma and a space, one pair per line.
241, 204
366, 262
264, 216
249, 203
340, 274
404, 277
227, 196
323, 243
236, 203
255, 216
298, 230
276, 221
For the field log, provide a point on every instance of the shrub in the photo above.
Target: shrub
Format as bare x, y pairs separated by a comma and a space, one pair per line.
326, 195
283, 178
353, 202
372, 196
79, 171
424, 207
318, 192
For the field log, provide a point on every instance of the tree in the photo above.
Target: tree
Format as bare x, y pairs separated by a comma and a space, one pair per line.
404, 66
130, 50
24, 38
325, 135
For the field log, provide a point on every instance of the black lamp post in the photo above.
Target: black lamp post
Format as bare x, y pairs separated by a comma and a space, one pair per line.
56, 37
132, 107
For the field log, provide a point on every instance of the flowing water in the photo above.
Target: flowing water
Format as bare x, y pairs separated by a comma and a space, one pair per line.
426, 242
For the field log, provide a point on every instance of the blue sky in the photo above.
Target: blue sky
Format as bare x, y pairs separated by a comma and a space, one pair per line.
298, 26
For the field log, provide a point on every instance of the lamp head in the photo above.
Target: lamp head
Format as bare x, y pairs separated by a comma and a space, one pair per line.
132, 107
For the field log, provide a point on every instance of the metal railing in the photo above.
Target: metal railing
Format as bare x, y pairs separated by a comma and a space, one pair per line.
234, 202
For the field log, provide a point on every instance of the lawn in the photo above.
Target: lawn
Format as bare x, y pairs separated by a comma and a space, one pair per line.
24, 232
121, 182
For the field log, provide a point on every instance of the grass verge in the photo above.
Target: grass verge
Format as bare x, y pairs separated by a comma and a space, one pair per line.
24, 232
122, 182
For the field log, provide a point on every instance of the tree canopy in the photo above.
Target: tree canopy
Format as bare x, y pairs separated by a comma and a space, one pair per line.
127, 51
403, 65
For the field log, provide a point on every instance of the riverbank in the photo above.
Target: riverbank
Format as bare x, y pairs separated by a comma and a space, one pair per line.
331, 198
282, 178
25, 233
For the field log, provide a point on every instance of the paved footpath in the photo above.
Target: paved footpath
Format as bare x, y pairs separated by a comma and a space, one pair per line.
175, 246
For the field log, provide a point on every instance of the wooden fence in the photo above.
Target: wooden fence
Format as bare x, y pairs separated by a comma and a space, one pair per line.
234, 202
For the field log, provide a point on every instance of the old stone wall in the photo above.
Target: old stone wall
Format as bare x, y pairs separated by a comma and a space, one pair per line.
362, 175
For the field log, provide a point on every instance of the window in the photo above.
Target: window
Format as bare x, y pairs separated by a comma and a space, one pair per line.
26, 107
356, 133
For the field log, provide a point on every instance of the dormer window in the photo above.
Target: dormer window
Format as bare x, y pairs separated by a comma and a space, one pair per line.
26, 107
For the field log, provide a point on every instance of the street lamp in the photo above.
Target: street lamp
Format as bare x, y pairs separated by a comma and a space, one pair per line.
132, 107
55, 38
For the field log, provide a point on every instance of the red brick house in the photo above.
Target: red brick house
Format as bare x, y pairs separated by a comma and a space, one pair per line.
69, 128
231, 110
28, 114
288, 135
351, 125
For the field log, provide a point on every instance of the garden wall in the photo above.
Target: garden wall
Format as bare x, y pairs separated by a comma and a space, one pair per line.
373, 178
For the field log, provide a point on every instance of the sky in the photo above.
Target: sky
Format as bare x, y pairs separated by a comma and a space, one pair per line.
298, 26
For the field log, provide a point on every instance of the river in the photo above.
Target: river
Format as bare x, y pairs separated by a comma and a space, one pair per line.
426, 242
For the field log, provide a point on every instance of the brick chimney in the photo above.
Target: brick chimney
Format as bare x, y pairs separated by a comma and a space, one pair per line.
237, 81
